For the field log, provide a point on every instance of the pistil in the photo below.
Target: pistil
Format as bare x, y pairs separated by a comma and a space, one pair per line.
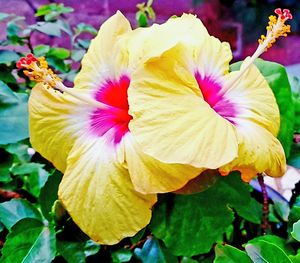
275, 29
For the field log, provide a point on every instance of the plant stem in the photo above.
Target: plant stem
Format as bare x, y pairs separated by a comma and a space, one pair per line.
7, 195
29, 43
265, 226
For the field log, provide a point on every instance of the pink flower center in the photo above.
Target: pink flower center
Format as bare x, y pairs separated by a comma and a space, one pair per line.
116, 118
211, 91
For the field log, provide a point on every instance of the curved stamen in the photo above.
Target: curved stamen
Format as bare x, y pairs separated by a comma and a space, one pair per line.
37, 70
275, 29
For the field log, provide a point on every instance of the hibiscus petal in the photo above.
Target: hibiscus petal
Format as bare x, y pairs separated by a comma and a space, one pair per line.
151, 42
104, 58
212, 58
253, 99
171, 121
259, 151
151, 176
55, 121
97, 192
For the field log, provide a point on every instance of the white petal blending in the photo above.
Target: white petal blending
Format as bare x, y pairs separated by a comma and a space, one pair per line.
253, 99
212, 58
148, 175
97, 192
105, 58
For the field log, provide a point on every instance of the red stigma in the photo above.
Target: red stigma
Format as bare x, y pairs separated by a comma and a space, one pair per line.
24, 61
278, 11
284, 14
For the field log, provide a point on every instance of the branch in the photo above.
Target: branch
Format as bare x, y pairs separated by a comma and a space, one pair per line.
7, 195
265, 226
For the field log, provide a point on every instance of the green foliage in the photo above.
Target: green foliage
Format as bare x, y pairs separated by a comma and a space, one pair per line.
262, 251
48, 194
76, 251
230, 254
275, 240
151, 252
15, 210
172, 218
7, 56
296, 231
145, 12
121, 255
7, 96
53, 11
13, 116
29, 241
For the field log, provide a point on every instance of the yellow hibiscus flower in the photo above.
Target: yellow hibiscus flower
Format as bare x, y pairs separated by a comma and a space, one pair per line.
109, 185
188, 108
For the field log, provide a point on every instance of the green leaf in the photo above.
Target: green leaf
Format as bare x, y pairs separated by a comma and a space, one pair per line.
188, 260
138, 236
201, 183
29, 241
41, 50
262, 251
58, 64
7, 96
141, 19
76, 251
36, 179
48, 28
16, 209
91, 248
295, 259
7, 56
149, 3
52, 11
230, 254
295, 85
72, 252
151, 252
277, 78
294, 215
275, 240
296, 231
6, 75
77, 54
65, 27
14, 31
19, 150
60, 53
48, 194
282, 208
85, 28
3, 16
2, 227
14, 120
172, 222
294, 158
121, 255
5, 172
84, 43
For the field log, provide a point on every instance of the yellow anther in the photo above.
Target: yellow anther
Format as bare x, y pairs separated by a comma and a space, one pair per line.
37, 70
276, 28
